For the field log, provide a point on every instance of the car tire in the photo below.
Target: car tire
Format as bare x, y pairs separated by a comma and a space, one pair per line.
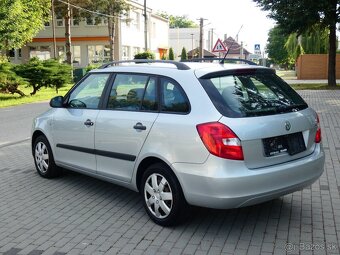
162, 196
43, 158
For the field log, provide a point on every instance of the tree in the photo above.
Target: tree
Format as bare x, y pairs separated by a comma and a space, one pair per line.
178, 21
21, 20
114, 9
301, 15
275, 47
314, 41
184, 55
171, 54
64, 10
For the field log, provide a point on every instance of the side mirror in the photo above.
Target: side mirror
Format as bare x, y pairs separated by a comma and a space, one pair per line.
57, 102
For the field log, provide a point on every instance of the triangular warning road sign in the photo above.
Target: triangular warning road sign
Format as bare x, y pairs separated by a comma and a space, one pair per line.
219, 46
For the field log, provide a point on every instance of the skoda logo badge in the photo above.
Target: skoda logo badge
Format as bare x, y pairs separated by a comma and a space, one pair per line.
287, 125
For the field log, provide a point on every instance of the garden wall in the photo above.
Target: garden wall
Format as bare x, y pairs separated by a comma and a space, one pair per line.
315, 66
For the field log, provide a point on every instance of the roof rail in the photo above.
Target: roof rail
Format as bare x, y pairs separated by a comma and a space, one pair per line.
220, 59
179, 65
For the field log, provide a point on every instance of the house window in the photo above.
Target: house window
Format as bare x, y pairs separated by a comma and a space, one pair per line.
42, 52
96, 21
125, 53
61, 52
98, 53
90, 21
59, 19
135, 51
135, 20
76, 54
47, 24
75, 50
106, 53
154, 30
75, 21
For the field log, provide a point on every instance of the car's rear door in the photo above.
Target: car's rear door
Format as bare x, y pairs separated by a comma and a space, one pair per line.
123, 126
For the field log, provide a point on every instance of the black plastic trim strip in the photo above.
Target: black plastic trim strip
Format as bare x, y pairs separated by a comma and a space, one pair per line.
108, 154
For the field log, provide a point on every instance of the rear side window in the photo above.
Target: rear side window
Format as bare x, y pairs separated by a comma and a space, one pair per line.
133, 92
251, 93
173, 97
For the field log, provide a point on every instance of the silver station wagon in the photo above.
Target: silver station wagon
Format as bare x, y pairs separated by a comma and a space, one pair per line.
183, 133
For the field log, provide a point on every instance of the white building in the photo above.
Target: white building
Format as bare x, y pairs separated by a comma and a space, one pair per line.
90, 40
189, 39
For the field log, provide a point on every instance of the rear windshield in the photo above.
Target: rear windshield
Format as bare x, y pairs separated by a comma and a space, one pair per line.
253, 92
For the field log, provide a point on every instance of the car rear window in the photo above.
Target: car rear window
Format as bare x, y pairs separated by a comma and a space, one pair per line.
251, 92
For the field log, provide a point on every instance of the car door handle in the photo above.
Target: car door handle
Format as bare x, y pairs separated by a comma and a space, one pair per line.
88, 123
139, 126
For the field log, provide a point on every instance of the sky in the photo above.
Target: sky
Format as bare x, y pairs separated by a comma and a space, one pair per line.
225, 16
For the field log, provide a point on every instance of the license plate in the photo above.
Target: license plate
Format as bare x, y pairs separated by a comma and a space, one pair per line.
292, 144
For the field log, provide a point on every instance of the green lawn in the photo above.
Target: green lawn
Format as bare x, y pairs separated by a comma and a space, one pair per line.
45, 94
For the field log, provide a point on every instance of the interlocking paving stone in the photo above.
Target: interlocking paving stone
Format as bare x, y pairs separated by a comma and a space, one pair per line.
324, 187
12, 251
76, 214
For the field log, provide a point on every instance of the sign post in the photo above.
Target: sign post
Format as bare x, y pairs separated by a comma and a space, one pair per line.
257, 49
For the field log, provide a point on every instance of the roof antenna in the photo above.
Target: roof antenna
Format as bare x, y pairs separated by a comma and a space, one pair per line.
222, 61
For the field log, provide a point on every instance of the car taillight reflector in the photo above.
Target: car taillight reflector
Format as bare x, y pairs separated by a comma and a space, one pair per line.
318, 131
220, 140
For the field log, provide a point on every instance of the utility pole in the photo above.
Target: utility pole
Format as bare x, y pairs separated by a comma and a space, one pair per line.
53, 31
145, 27
212, 38
241, 50
200, 53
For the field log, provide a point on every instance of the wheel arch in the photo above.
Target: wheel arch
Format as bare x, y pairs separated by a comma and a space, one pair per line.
145, 163
36, 134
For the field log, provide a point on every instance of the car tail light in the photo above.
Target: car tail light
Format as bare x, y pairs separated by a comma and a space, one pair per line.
318, 131
220, 140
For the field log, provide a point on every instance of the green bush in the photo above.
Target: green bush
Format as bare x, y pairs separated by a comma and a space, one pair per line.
9, 80
145, 55
184, 55
48, 73
171, 54
91, 66
59, 74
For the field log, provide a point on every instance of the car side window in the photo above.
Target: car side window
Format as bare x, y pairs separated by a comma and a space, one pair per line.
88, 93
173, 97
133, 92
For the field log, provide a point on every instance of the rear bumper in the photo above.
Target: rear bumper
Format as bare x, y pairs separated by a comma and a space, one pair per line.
223, 184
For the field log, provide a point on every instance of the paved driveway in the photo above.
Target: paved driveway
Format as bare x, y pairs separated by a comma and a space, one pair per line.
76, 214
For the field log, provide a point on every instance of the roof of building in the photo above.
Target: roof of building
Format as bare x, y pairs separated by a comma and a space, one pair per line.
195, 53
233, 46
